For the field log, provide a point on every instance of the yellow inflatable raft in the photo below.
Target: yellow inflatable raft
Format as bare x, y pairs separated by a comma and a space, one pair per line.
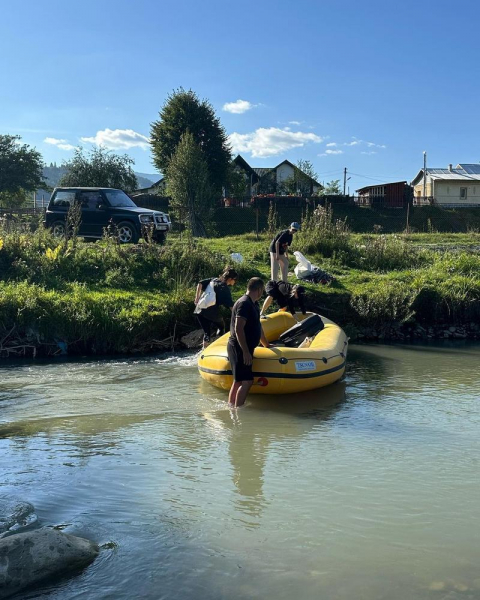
281, 370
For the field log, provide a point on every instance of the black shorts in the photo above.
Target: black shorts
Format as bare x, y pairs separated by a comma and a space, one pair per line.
241, 372
272, 291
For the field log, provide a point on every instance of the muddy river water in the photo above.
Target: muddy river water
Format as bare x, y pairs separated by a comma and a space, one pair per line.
368, 489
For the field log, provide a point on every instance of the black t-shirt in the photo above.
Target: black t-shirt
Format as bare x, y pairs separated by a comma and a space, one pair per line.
281, 292
284, 237
250, 311
223, 294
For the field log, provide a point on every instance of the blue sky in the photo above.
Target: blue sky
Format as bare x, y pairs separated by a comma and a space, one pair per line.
363, 85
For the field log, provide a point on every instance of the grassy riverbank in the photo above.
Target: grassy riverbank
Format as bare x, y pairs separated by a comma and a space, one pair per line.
105, 298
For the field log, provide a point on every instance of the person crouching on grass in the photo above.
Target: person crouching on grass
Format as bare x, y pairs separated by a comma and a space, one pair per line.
210, 316
285, 294
245, 334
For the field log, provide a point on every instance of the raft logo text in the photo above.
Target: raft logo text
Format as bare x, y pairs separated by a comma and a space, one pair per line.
304, 365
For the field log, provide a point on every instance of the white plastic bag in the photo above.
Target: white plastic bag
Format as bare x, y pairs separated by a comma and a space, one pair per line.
236, 257
208, 298
304, 267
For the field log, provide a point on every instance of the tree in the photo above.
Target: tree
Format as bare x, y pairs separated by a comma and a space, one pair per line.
100, 168
188, 185
304, 173
237, 182
13, 199
183, 111
20, 167
332, 188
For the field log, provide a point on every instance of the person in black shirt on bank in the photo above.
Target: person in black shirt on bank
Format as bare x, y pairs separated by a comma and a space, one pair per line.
285, 294
245, 334
278, 252
210, 316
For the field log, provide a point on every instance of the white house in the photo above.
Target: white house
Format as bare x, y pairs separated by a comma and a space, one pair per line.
271, 180
451, 187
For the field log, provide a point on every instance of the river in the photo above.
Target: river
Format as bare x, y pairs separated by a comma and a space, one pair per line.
368, 489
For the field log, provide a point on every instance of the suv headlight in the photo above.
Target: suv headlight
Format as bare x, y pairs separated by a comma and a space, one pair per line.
146, 218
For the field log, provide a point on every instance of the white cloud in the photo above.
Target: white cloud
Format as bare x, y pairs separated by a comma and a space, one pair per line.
238, 107
331, 152
118, 139
295, 122
356, 142
372, 152
265, 142
62, 144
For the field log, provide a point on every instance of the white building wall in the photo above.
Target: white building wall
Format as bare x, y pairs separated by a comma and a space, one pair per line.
449, 193
284, 171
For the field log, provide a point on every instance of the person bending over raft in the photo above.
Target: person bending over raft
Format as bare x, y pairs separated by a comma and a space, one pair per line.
211, 315
278, 251
284, 295
245, 334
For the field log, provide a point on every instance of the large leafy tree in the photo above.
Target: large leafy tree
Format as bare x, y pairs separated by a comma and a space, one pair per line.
99, 168
183, 111
20, 167
188, 185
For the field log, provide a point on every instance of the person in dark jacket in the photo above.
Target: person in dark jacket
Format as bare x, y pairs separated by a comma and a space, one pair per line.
279, 251
285, 294
210, 316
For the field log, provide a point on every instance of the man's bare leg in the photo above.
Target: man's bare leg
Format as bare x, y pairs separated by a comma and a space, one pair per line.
232, 395
242, 393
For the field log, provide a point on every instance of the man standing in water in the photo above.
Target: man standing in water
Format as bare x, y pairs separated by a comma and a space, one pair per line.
278, 252
245, 334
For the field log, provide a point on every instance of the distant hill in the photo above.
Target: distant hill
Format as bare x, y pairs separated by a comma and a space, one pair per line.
53, 174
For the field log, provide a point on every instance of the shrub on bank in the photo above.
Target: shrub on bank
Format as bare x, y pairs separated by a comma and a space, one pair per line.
100, 321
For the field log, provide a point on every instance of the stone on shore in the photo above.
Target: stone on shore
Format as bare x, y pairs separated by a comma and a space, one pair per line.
30, 557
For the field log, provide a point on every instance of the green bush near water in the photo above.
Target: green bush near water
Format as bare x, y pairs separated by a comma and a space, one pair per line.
106, 298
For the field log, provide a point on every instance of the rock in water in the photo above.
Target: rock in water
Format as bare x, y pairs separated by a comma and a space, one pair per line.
15, 515
28, 558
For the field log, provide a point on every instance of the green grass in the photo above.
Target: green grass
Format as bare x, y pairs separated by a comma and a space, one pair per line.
104, 298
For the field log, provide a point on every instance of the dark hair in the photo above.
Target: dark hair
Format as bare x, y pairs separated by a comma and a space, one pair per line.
254, 284
228, 274
300, 290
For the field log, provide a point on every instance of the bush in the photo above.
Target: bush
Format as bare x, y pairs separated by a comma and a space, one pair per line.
382, 304
387, 253
323, 234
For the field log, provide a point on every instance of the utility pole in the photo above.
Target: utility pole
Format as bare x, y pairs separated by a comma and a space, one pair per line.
344, 180
424, 175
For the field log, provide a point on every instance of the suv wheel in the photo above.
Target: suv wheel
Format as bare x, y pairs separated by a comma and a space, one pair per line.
127, 234
58, 229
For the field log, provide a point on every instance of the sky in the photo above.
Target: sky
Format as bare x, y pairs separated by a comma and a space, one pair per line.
362, 85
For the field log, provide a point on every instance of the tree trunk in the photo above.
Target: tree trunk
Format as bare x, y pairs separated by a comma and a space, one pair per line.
196, 225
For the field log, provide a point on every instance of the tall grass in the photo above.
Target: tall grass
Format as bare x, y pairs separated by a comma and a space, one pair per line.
323, 234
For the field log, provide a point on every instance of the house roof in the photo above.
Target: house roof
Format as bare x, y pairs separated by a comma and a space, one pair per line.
262, 171
462, 172
370, 187
150, 188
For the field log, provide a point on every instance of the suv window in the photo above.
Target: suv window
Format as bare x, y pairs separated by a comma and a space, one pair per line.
63, 199
118, 198
90, 199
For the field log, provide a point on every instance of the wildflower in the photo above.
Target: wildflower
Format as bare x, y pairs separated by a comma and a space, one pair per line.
52, 254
